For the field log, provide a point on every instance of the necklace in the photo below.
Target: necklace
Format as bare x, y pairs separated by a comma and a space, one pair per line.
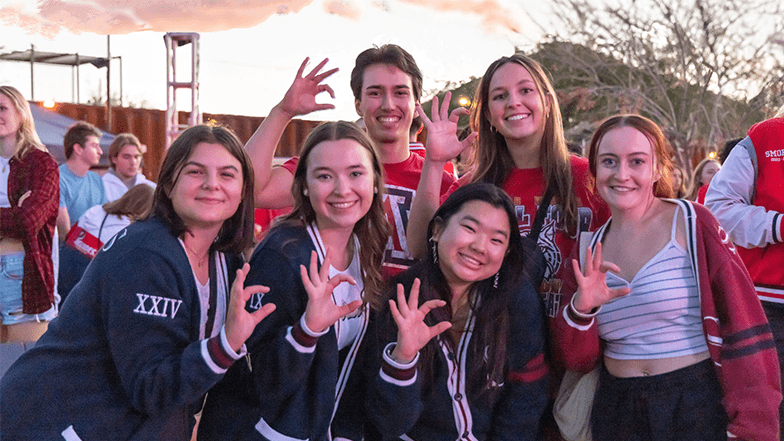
200, 261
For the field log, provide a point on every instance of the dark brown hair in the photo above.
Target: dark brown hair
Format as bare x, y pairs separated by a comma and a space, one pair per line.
662, 151
392, 55
78, 134
372, 229
489, 304
236, 234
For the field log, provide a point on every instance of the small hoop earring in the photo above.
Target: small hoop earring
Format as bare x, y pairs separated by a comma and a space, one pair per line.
495, 282
305, 192
493, 129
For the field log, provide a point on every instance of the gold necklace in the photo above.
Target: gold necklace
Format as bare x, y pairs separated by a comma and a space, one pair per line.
199, 261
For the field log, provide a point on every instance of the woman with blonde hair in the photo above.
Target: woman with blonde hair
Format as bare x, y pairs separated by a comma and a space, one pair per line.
29, 197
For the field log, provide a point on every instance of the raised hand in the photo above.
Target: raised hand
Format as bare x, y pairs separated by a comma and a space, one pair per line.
321, 311
300, 99
592, 286
239, 322
442, 144
412, 332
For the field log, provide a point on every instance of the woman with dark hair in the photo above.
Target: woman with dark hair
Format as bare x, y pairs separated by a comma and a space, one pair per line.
684, 348
299, 379
153, 323
29, 195
462, 357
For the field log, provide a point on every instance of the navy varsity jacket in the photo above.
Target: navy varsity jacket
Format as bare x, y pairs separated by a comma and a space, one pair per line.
403, 408
125, 359
292, 384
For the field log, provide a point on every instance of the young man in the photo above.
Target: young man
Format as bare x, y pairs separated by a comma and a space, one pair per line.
746, 198
125, 158
80, 188
387, 86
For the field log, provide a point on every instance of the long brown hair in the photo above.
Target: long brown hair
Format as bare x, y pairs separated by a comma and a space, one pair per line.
662, 151
26, 136
135, 203
696, 178
372, 229
492, 162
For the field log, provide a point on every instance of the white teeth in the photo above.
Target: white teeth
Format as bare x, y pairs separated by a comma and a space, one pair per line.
388, 119
471, 260
516, 117
342, 204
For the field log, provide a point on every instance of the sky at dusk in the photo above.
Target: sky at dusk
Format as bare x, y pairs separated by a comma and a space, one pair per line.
250, 50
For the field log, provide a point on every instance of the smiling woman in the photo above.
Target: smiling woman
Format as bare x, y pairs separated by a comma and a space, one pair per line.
485, 377
666, 308
155, 321
322, 264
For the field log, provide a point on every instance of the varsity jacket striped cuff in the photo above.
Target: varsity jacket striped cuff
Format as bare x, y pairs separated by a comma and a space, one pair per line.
302, 338
778, 221
582, 322
401, 374
218, 354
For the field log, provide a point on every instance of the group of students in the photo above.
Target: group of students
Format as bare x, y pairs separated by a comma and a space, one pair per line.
336, 331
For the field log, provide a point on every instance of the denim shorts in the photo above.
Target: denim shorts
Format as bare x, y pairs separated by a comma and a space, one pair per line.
11, 292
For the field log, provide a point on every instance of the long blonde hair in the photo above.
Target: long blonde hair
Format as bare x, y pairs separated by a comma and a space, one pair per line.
26, 137
492, 162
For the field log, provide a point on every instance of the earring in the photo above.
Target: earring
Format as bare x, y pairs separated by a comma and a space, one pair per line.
495, 282
305, 192
493, 129
434, 246
375, 190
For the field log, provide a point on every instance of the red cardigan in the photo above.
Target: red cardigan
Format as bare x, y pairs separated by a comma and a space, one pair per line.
735, 326
33, 224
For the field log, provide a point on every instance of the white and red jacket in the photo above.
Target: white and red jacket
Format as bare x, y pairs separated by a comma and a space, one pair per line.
747, 196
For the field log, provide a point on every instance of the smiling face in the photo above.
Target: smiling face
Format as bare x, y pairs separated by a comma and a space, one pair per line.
516, 107
10, 119
128, 161
208, 189
339, 183
386, 104
625, 169
472, 244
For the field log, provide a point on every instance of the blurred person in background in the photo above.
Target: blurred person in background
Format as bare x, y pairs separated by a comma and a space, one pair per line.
125, 159
29, 193
747, 197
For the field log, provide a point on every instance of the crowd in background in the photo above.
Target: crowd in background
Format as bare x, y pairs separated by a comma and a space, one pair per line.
400, 293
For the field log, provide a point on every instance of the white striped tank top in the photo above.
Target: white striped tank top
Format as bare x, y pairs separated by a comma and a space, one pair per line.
660, 317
